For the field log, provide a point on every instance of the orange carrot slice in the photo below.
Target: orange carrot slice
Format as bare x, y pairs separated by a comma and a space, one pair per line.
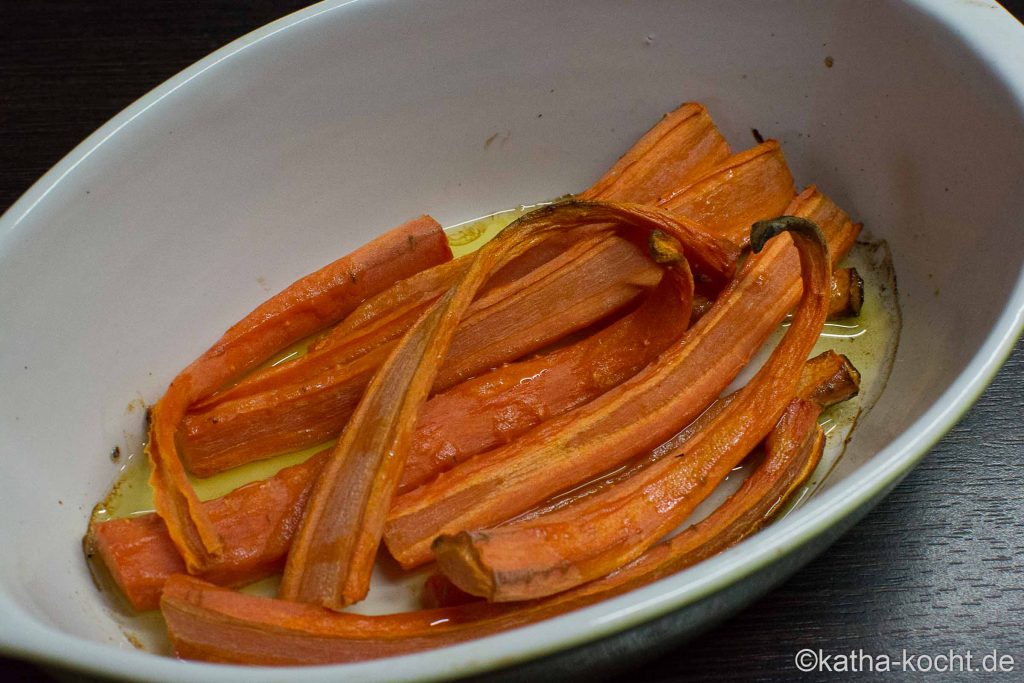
825, 380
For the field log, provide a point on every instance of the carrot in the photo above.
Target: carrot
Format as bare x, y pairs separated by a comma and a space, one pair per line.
847, 294
750, 186
140, 555
256, 522
607, 271
217, 625
308, 305
625, 421
793, 451
531, 559
680, 147
334, 549
811, 203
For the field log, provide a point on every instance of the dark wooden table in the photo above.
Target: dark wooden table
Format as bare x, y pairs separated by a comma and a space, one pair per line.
939, 565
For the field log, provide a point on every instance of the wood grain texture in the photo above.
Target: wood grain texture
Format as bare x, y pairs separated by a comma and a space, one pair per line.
938, 565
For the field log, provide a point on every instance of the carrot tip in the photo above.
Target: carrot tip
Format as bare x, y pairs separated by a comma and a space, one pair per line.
458, 559
762, 231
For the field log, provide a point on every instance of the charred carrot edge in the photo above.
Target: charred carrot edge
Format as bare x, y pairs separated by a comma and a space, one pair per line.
311, 303
333, 552
847, 294
214, 624
500, 405
587, 540
607, 271
750, 186
631, 418
828, 378
141, 557
681, 146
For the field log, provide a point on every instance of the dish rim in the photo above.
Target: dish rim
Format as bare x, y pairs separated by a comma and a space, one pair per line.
21, 635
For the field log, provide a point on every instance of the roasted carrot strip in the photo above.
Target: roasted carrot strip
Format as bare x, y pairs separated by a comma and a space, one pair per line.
587, 540
308, 305
750, 186
608, 273
318, 300
497, 407
217, 625
825, 380
631, 418
141, 557
683, 145
792, 451
256, 521
333, 552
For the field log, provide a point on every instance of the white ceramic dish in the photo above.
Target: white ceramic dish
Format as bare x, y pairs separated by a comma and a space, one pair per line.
301, 140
